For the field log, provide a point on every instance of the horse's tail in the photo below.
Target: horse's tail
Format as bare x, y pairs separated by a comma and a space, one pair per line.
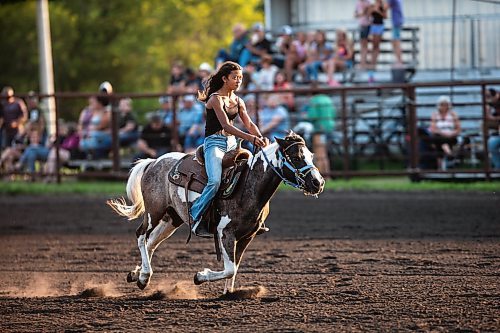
134, 193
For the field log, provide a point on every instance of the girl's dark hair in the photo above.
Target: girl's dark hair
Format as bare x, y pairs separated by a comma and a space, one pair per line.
215, 82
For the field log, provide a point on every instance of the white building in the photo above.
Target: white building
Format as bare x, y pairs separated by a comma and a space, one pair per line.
477, 27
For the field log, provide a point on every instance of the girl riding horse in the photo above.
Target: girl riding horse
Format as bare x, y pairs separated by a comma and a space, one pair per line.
222, 107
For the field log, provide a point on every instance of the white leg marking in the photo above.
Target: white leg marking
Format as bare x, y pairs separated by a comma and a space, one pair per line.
162, 231
229, 266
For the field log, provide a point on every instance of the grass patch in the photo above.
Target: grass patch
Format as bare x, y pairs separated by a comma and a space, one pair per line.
404, 184
66, 187
117, 188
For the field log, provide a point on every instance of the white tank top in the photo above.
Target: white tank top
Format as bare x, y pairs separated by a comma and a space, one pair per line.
447, 124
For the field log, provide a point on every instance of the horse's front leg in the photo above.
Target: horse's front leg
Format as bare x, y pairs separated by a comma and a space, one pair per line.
227, 243
241, 246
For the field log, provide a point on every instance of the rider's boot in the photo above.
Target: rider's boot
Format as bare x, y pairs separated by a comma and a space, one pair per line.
200, 229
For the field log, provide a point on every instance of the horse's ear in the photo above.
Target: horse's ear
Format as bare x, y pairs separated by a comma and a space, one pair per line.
280, 142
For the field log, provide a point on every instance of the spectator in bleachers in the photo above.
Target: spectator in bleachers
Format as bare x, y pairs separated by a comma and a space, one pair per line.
320, 52
240, 39
10, 155
96, 143
493, 123
296, 54
155, 139
281, 82
342, 59
193, 81
191, 113
362, 13
444, 129
256, 47
35, 151
249, 74
128, 132
264, 78
378, 12
397, 19
35, 114
274, 118
204, 71
166, 111
177, 79
15, 114
85, 117
68, 149
283, 45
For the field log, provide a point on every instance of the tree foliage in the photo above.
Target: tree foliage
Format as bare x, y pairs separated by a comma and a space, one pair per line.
129, 43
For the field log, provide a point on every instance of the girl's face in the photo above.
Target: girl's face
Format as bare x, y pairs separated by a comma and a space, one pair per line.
233, 80
280, 78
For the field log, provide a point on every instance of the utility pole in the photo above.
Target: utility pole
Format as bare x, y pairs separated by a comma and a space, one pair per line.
45, 61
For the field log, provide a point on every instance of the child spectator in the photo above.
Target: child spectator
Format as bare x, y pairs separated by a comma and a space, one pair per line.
35, 151
344, 51
318, 56
240, 39
362, 13
274, 119
282, 83
68, 149
264, 78
155, 139
283, 46
128, 128
35, 114
378, 12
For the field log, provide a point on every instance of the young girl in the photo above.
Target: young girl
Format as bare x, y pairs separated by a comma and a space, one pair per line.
222, 107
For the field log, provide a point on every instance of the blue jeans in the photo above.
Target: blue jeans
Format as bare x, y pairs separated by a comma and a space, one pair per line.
32, 154
494, 148
312, 70
215, 146
97, 143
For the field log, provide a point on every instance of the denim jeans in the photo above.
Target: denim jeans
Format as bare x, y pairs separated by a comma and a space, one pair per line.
215, 146
32, 154
494, 148
312, 70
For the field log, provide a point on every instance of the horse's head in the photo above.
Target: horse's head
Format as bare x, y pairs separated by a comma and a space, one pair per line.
297, 165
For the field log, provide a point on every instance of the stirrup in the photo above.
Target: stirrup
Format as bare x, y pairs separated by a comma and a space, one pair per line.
200, 230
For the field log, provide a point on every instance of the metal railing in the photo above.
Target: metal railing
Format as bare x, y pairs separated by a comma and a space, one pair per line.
348, 124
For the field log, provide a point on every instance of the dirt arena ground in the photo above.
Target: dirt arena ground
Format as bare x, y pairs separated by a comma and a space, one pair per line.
347, 261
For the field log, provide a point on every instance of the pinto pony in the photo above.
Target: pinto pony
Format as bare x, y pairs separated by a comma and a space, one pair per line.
163, 204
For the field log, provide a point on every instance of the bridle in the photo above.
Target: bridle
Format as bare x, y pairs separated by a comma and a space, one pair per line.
300, 174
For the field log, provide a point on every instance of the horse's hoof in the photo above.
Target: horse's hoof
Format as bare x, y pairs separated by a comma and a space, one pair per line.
196, 280
141, 285
131, 277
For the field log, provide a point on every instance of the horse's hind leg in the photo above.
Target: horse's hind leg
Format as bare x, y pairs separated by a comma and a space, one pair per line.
162, 231
241, 246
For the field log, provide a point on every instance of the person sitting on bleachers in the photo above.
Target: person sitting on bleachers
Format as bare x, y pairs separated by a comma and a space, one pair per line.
155, 139
296, 54
342, 59
281, 82
240, 39
97, 141
264, 78
35, 151
128, 127
68, 149
274, 118
256, 47
191, 113
445, 128
319, 53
